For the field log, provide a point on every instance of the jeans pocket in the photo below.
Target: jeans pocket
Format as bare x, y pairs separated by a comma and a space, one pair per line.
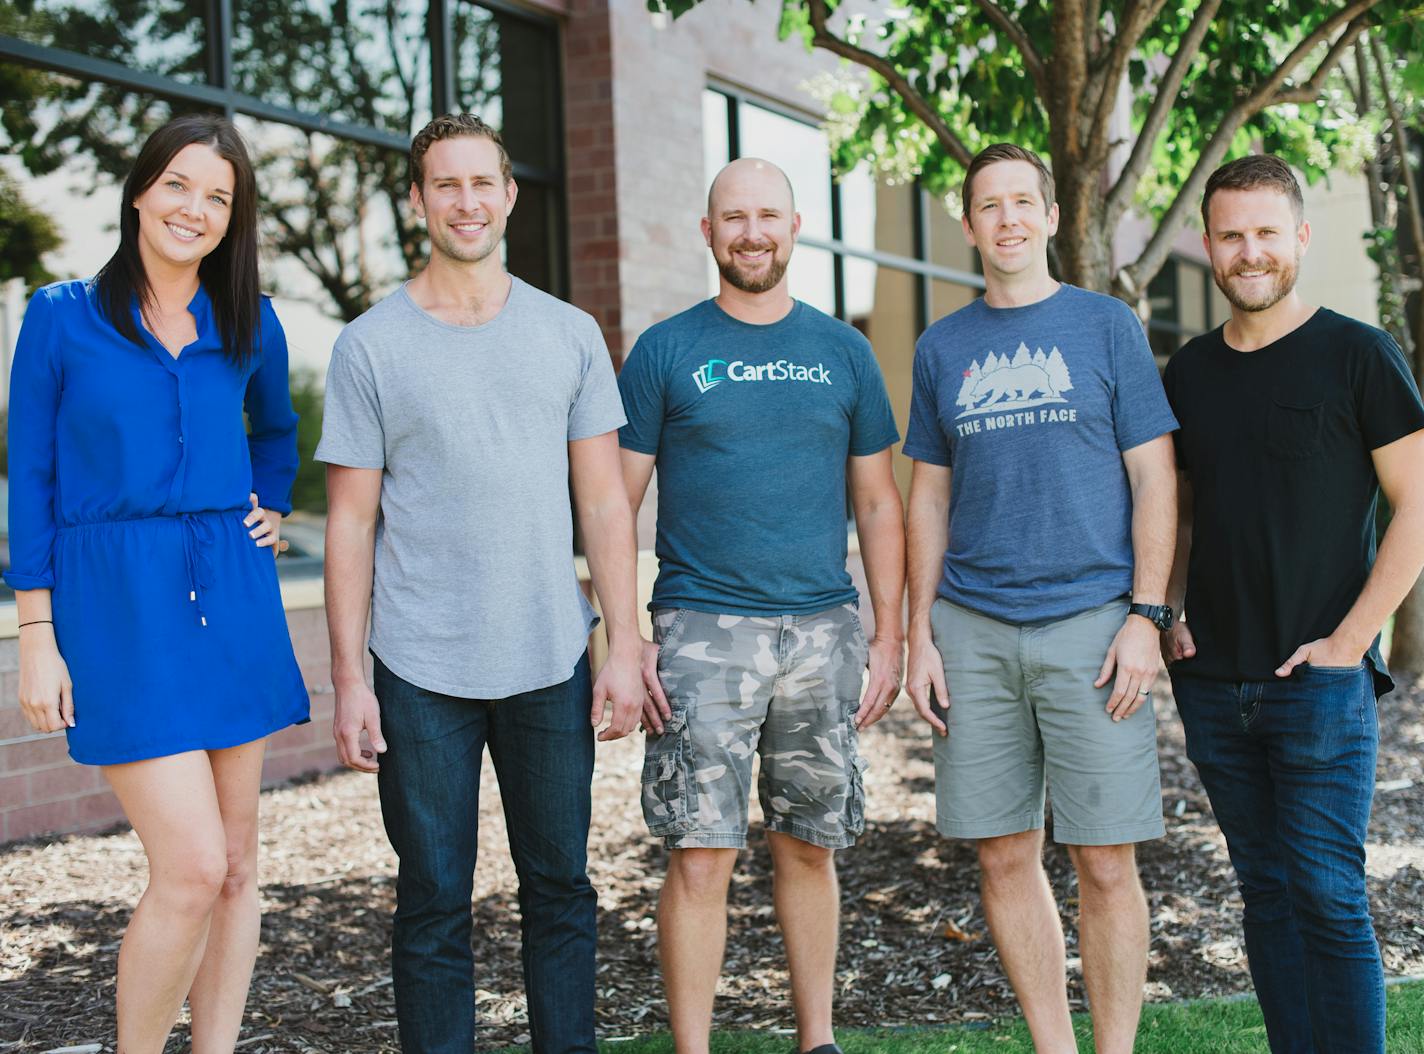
665, 783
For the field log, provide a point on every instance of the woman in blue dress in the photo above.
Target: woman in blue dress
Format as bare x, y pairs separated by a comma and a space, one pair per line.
143, 521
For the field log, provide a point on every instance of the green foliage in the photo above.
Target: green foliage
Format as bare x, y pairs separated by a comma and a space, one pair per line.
26, 234
309, 491
1221, 1026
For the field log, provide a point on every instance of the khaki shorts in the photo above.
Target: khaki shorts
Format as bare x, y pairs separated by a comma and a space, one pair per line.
1024, 713
786, 687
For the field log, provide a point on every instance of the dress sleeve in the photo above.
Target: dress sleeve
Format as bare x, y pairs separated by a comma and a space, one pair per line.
272, 439
35, 384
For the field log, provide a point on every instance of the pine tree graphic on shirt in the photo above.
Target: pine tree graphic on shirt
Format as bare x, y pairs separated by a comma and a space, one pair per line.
1013, 383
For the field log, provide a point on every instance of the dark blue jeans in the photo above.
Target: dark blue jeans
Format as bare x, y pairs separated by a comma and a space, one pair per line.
541, 743
1289, 766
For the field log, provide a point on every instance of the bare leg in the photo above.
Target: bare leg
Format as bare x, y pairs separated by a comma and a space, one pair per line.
219, 991
1023, 919
1112, 933
174, 810
692, 934
807, 901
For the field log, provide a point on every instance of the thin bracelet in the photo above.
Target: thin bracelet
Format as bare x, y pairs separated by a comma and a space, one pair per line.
36, 622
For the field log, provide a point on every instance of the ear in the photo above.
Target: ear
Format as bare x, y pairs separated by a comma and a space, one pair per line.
1053, 219
511, 192
1206, 244
968, 229
1303, 236
707, 231
417, 203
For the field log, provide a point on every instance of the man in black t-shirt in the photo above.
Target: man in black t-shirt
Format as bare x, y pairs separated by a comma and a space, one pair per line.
1293, 418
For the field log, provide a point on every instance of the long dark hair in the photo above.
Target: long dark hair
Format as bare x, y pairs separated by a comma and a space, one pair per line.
229, 272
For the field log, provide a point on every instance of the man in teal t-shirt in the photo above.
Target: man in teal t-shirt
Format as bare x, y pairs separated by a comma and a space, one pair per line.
757, 411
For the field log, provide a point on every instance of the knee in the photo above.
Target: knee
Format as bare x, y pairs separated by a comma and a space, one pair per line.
1010, 857
1331, 902
1105, 869
702, 873
192, 886
792, 854
241, 877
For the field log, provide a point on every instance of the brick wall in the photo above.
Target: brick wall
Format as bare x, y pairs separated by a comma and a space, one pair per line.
43, 792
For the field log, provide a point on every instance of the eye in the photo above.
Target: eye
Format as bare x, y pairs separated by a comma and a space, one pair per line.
175, 184
218, 199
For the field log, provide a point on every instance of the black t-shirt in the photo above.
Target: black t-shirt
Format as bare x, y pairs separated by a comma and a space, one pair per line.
1276, 444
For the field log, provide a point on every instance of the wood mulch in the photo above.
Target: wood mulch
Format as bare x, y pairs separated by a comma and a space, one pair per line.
914, 948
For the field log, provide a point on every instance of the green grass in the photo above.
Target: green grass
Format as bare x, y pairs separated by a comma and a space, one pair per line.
1205, 1027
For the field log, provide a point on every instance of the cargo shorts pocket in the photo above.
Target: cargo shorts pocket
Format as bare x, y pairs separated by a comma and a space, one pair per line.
854, 812
666, 787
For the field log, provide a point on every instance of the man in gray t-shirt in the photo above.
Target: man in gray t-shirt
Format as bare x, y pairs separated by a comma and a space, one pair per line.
459, 412
1041, 524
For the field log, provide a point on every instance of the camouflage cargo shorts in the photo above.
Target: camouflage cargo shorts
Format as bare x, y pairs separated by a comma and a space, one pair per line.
786, 687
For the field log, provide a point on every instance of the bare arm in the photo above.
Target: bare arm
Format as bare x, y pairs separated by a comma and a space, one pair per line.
1401, 555
637, 473
928, 538
601, 501
46, 693
353, 497
880, 525
1177, 643
1135, 653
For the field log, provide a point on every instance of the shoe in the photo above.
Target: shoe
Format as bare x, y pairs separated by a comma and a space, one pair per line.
825, 1048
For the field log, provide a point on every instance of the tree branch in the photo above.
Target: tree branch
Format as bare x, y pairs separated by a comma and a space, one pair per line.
1120, 196
1134, 277
1311, 89
1411, 193
1011, 28
1138, 15
914, 101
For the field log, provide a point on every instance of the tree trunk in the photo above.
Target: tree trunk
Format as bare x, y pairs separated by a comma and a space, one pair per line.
1406, 651
1084, 248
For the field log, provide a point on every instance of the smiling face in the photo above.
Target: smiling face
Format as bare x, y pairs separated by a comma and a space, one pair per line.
751, 225
185, 212
465, 199
1255, 246
1007, 220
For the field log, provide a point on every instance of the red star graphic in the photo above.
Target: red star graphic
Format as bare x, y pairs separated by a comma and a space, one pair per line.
966, 373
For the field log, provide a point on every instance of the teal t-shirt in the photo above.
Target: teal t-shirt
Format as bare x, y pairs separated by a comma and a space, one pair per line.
751, 427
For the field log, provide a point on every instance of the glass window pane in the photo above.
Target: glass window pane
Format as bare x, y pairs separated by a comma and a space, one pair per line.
811, 277
507, 72
366, 62
716, 138
802, 152
881, 303
533, 242
157, 36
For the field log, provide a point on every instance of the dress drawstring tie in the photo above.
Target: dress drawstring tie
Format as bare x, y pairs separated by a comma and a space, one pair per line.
197, 537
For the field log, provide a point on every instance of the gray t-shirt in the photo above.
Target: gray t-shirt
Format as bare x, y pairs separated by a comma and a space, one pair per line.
475, 593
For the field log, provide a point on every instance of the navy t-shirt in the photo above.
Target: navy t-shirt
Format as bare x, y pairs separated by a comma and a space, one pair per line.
1031, 408
1276, 444
751, 426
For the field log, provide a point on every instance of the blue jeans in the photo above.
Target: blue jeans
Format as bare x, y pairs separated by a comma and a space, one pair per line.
1289, 766
541, 743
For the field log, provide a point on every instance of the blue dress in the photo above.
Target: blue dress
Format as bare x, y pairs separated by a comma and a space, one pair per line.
129, 479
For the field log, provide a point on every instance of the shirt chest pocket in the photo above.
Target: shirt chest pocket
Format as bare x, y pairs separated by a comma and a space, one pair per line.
1295, 428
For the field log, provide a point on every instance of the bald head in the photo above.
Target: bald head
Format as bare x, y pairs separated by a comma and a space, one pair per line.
751, 181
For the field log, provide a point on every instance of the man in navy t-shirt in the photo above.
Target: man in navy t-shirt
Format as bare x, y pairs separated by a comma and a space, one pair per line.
1294, 418
1042, 514
758, 411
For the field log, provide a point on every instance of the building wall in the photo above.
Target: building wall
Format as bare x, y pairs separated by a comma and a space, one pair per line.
43, 792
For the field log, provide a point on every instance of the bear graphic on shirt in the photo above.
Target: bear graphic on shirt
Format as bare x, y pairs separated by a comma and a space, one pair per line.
1004, 383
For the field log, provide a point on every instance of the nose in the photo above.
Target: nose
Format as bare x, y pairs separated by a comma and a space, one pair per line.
468, 199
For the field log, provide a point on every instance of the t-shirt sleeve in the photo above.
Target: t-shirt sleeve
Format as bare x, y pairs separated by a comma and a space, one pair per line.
924, 439
644, 399
351, 430
1140, 409
872, 423
1387, 401
596, 408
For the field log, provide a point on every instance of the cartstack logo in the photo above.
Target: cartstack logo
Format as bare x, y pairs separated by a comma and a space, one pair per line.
714, 371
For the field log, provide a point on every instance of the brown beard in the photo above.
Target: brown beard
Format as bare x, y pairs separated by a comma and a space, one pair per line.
1285, 279
746, 283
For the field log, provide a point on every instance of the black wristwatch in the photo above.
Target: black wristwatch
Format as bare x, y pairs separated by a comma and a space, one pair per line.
1160, 615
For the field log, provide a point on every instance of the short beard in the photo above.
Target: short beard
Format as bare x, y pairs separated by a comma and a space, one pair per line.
746, 283
1285, 279
450, 249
